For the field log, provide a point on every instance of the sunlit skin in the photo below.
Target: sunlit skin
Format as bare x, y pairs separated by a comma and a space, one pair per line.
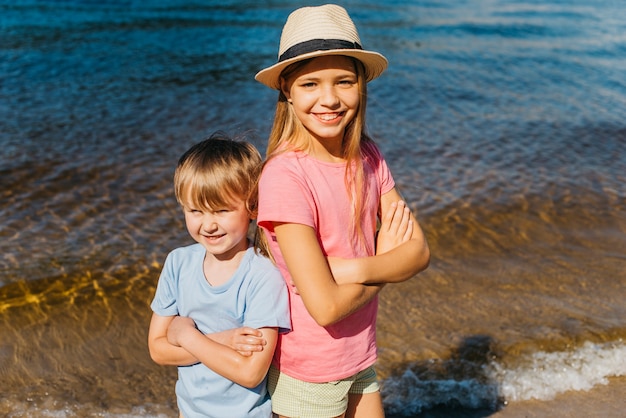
324, 94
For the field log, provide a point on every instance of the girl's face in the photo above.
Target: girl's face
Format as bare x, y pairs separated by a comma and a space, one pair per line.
325, 97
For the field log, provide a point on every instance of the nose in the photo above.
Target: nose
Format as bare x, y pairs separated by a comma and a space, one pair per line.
209, 225
328, 96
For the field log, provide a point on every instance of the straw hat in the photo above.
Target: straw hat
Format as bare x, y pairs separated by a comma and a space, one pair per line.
315, 31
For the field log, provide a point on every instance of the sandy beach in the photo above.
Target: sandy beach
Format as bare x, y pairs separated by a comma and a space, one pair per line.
602, 401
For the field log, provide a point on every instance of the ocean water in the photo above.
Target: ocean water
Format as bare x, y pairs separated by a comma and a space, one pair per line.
503, 121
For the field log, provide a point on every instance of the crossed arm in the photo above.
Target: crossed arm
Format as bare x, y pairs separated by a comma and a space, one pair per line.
242, 355
332, 289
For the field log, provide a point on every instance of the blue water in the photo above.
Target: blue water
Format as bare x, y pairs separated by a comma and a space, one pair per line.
503, 123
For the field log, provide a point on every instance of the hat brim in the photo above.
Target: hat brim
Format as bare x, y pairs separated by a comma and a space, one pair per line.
373, 62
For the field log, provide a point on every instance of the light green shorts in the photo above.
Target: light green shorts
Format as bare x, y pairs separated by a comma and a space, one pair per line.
295, 398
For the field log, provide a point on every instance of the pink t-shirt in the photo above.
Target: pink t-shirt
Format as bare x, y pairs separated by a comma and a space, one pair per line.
297, 188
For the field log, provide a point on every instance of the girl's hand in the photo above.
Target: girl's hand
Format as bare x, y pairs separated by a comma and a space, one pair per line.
396, 227
244, 340
178, 326
294, 288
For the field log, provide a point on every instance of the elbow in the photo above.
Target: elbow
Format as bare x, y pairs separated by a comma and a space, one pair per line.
425, 258
324, 321
326, 311
327, 316
253, 380
158, 355
157, 358
248, 374
423, 261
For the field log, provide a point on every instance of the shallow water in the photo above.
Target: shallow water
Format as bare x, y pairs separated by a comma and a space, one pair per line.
503, 122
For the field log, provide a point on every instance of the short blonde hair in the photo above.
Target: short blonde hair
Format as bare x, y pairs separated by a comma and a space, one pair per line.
216, 171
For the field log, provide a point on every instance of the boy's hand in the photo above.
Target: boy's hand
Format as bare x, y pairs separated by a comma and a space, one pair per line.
244, 340
396, 228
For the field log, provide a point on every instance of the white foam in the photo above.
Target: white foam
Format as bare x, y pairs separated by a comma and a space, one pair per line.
545, 375
539, 376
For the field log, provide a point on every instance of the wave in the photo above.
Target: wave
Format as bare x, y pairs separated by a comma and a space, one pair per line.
540, 375
544, 375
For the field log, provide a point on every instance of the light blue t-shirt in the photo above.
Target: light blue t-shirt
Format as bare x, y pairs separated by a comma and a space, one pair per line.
256, 296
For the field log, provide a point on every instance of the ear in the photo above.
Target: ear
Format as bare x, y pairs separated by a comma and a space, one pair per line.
284, 88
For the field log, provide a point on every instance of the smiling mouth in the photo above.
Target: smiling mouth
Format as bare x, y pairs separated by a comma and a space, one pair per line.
329, 117
213, 237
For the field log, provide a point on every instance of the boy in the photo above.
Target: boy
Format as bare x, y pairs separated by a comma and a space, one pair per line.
212, 296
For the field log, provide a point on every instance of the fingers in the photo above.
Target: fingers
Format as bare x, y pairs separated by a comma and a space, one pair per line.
250, 331
396, 227
294, 288
409, 230
254, 341
387, 218
247, 350
397, 219
248, 341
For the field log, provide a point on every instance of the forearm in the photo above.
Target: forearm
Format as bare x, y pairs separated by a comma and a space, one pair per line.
394, 266
345, 300
246, 371
171, 355
325, 300
401, 249
166, 354
161, 350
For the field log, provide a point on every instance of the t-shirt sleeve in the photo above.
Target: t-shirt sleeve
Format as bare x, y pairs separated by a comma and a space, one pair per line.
268, 301
166, 295
284, 195
385, 178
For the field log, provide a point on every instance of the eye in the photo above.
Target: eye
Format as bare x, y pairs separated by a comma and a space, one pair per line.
224, 209
347, 82
192, 211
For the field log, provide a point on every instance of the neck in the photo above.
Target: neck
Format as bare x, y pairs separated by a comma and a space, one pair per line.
328, 150
218, 269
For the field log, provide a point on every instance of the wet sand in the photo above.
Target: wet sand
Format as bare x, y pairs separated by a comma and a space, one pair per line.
604, 401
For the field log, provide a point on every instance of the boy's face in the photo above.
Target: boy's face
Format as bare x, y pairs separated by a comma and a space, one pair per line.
222, 231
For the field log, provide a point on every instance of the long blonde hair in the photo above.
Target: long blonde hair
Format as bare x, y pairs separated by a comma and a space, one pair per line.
288, 133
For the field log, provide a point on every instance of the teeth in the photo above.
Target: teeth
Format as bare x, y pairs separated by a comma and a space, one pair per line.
328, 116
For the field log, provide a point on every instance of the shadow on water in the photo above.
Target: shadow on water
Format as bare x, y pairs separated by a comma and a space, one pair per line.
458, 387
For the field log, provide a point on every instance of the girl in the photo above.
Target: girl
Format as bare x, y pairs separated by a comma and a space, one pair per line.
321, 193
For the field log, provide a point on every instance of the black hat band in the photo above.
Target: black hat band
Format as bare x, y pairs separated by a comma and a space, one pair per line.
317, 45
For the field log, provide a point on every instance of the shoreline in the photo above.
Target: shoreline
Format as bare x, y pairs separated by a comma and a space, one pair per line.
601, 401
